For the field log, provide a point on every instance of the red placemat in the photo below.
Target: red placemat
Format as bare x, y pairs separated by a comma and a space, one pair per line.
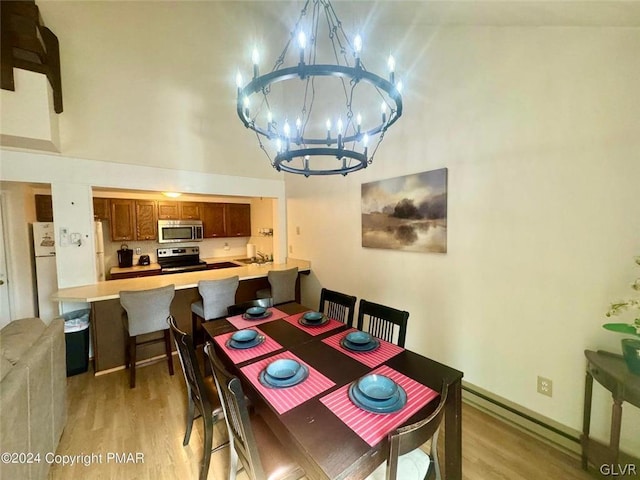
370, 359
242, 355
330, 325
373, 427
284, 399
240, 323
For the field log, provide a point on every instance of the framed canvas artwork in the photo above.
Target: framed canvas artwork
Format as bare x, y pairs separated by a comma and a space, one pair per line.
406, 213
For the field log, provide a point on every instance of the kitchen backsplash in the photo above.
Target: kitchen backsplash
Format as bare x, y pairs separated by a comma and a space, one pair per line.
213, 247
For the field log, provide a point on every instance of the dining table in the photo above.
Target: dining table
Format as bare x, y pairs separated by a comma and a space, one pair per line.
329, 436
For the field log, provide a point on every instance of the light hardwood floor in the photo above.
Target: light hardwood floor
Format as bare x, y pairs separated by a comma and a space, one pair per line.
105, 417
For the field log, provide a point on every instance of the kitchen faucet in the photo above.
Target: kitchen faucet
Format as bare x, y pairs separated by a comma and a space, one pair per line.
262, 256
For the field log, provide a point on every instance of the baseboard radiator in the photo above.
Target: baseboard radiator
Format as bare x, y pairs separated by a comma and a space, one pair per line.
543, 428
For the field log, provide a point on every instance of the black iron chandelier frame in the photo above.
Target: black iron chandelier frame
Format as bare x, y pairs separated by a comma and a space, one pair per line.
308, 147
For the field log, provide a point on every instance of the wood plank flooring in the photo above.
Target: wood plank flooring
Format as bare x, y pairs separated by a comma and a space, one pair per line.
106, 417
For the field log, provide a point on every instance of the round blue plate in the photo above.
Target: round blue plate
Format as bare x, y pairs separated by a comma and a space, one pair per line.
354, 347
266, 314
313, 316
376, 404
247, 335
283, 368
255, 311
375, 407
308, 323
377, 387
359, 338
270, 382
231, 343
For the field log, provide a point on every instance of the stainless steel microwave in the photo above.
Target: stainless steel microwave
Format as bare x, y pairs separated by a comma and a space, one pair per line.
174, 231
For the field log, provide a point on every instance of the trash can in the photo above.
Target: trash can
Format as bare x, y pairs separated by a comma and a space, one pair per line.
76, 337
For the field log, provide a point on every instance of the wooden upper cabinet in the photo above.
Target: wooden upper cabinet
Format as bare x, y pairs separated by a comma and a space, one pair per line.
44, 208
190, 210
123, 214
213, 220
168, 210
238, 220
100, 209
146, 220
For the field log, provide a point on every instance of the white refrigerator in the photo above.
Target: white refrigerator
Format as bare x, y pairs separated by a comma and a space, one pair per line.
46, 273
44, 249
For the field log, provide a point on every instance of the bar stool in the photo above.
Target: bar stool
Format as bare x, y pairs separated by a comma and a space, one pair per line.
146, 311
283, 286
216, 295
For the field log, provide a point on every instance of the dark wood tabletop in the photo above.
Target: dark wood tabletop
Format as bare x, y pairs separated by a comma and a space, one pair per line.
323, 445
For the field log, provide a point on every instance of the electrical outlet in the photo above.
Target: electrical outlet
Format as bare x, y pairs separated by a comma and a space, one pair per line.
138, 250
290, 248
545, 386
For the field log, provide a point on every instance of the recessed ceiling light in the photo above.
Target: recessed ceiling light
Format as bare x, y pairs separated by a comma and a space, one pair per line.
171, 194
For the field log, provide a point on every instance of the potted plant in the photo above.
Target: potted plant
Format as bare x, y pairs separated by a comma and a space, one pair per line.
630, 346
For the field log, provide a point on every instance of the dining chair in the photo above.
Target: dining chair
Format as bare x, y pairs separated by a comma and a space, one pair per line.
252, 442
146, 311
201, 396
405, 460
216, 296
239, 308
384, 322
338, 306
283, 286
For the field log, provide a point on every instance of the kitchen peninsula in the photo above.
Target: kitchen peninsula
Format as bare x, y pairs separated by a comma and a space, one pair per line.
106, 311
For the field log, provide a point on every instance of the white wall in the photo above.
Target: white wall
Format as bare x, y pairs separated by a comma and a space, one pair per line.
539, 130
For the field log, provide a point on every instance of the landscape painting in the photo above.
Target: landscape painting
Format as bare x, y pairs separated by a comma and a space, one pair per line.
406, 213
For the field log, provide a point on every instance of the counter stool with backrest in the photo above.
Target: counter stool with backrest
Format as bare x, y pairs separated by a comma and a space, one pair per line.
216, 295
283, 286
384, 322
201, 395
252, 441
405, 460
146, 311
338, 306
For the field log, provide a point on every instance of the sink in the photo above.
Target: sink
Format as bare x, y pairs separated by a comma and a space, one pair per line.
249, 261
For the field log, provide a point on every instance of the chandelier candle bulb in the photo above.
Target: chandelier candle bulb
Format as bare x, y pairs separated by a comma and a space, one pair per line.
302, 43
392, 68
383, 108
254, 59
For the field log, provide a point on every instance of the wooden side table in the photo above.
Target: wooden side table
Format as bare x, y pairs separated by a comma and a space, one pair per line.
610, 371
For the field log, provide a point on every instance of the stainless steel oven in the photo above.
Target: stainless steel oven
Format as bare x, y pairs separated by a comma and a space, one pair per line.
174, 231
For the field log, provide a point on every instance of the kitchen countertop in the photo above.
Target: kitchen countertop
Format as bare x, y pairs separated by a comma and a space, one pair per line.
156, 266
111, 289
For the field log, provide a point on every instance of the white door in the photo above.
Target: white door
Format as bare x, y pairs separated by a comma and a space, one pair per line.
5, 307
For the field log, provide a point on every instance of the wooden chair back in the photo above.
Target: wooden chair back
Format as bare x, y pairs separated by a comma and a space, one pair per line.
191, 369
339, 306
241, 437
383, 322
408, 438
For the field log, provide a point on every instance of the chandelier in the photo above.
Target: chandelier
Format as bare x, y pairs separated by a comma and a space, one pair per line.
319, 111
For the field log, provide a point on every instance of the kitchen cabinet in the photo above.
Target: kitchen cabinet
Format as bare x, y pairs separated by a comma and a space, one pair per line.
44, 208
168, 210
213, 220
237, 220
190, 210
226, 220
122, 215
146, 220
100, 209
